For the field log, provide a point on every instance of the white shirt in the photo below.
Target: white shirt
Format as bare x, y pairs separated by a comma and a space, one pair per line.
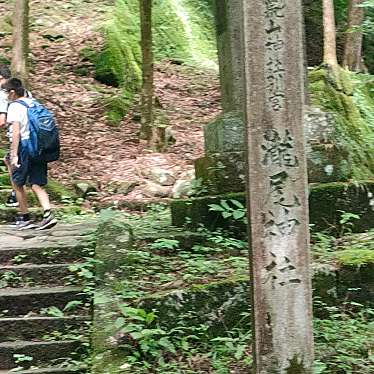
18, 113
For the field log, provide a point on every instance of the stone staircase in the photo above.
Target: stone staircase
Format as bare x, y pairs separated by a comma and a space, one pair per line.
36, 284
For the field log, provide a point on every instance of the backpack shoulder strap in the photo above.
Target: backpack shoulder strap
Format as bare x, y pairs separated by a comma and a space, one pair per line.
22, 103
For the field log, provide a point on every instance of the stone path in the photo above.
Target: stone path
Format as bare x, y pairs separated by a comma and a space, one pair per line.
36, 284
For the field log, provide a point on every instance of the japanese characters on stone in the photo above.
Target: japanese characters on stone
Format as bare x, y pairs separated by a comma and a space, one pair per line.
274, 46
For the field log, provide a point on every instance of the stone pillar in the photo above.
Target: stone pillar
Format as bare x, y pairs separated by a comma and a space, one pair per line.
222, 167
229, 26
277, 187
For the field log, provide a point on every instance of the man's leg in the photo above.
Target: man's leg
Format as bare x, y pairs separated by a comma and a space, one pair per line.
23, 221
22, 199
38, 179
19, 178
12, 199
42, 196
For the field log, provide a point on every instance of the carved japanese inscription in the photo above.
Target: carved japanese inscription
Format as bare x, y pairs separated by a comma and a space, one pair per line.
274, 15
277, 186
278, 153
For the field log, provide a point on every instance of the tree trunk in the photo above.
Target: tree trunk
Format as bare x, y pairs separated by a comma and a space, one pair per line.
353, 43
147, 68
20, 40
329, 30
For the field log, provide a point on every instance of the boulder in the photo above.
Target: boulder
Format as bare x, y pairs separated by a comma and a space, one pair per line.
151, 189
158, 175
184, 186
122, 187
84, 187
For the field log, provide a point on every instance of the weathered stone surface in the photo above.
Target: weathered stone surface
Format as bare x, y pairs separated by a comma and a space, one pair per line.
52, 246
36, 281
216, 305
113, 237
327, 163
40, 351
158, 175
318, 126
225, 134
83, 188
184, 186
28, 328
151, 189
23, 301
327, 202
229, 26
222, 172
222, 168
122, 187
35, 274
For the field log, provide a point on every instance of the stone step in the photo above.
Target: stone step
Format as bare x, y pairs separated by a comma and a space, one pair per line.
34, 275
20, 302
41, 352
37, 254
62, 244
29, 328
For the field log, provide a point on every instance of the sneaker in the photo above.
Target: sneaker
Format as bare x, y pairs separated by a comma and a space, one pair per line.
48, 221
12, 201
25, 225
22, 223
15, 224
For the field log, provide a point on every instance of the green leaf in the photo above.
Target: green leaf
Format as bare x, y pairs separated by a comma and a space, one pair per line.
216, 208
238, 204
71, 305
240, 352
136, 335
120, 322
226, 214
238, 214
53, 311
225, 205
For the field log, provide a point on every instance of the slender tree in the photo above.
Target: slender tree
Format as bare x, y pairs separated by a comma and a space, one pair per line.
20, 40
147, 94
329, 32
353, 43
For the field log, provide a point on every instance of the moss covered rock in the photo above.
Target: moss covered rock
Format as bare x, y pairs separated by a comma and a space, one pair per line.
349, 98
327, 203
59, 192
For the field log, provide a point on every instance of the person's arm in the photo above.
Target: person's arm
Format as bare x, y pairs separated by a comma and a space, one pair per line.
3, 108
2, 119
16, 137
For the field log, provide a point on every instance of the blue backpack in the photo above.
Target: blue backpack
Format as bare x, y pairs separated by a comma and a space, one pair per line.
44, 141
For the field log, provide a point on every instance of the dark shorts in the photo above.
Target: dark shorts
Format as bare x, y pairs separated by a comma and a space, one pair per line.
30, 172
